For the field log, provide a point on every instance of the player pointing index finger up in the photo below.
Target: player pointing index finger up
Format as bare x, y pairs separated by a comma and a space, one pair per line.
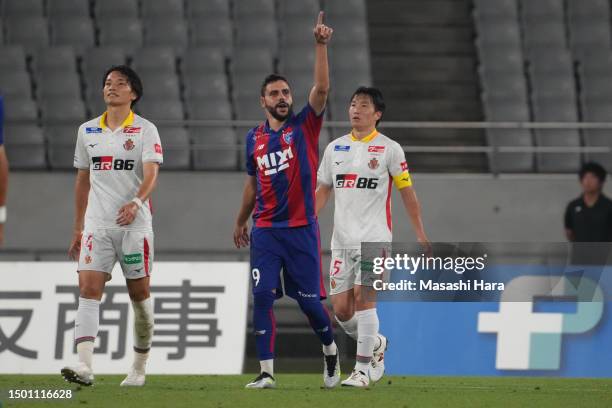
282, 159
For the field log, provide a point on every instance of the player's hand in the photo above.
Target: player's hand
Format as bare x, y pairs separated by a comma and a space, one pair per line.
241, 235
322, 33
75, 246
127, 214
425, 245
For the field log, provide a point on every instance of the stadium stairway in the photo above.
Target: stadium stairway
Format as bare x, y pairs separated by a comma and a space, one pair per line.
424, 61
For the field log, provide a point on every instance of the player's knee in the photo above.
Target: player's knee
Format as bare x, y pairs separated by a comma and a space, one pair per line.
90, 291
310, 306
344, 313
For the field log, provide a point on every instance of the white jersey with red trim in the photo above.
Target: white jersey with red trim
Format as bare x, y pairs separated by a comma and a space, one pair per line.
115, 163
360, 172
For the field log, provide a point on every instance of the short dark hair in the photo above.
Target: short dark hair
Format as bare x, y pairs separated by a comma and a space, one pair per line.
132, 77
269, 79
375, 95
596, 169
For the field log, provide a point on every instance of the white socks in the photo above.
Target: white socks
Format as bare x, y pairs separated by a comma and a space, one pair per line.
267, 366
86, 328
349, 327
367, 322
330, 350
143, 332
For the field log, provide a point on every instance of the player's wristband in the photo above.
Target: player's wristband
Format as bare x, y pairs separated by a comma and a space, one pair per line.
2, 214
138, 201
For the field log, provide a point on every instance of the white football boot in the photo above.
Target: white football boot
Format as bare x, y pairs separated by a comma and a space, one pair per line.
377, 364
331, 370
263, 380
134, 379
79, 373
357, 379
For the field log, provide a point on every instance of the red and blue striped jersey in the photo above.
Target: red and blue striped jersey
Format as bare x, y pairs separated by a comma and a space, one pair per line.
284, 164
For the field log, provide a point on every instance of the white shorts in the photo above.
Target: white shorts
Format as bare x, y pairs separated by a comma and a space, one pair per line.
102, 248
345, 271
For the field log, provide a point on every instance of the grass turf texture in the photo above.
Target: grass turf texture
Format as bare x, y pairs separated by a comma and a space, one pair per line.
305, 390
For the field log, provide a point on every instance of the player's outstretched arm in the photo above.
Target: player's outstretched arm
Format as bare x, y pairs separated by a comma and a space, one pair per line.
241, 229
322, 196
127, 213
81, 194
413, 207
320, 90
4, 172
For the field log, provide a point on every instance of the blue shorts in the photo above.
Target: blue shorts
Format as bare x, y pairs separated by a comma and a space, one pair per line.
297, 252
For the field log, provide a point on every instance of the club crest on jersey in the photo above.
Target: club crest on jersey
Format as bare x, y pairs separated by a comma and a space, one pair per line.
373, 164
128, 145
130, 129
93, 130
340, 148
376, 149
288, 135
274, 162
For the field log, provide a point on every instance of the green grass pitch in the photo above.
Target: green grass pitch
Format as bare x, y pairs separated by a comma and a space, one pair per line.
304, 390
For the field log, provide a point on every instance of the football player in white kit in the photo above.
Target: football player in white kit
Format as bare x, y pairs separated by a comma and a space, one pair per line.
360, 168
117, 156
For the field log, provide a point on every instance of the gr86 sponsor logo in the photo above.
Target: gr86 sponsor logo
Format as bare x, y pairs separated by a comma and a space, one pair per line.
354, 181
108, 163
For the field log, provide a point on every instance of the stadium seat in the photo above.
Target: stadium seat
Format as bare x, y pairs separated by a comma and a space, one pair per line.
199, 86
253, 8
347, 9
506, 60
542, 9
595, 64
30, 32
540, 34
12, 58
255, 33
1, 32
545, 60
176, 144
171, 32
20, 109
596, 89
58, 83
161, 84
197, 9
76, 31
203, 61
486, 9
22, 8
15, 83
157, 59
297, 59
111, 9
350, 59
121, 32
598, 112
95, 104
62, 142
214, 148
161, 109
248, 108
98, 60
211, 33
504, 86
25, 146
548, 87
252, 60
57, 9
68, 111
55, 59
553, 111
497, 33
349, 33
296, 32
590, 34
163, 9
209, 109
579, 9
247, 84
302, 8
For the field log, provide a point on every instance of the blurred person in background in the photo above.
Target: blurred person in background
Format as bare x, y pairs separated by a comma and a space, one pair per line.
4, 172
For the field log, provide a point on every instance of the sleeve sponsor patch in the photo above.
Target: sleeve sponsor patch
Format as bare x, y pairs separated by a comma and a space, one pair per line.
158, 148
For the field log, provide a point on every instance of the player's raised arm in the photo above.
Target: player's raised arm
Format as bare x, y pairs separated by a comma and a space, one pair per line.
241, 230
320, 90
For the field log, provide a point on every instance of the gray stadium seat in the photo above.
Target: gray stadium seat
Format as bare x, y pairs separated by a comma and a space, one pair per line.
557, 162
12, 58
496, 33
548, 87
30, 32
25, 147
596, 89
297, 59
161, 109
501, 60
595, 64
495, 9
579, 9
546, 9
349, 33
110, 9
253, 60
55, 59
121, 32
198, 86
255, 33
176, 144
592, 34
203, 61
98, 60
209, 109
253, 8
507, 112
302, 8
157, 59
161, 84
58, 83
296, 32
210, 33
214, 148
62, 141
354, 59
20, 109
504, 86
171, 32
77, 32
544, 34
598, 112
68, 111
544, 61
248, 108
15, 83
95, 104
349, 9
1, 32
163, 9
247, 84
208, 8
22, 8
67, 8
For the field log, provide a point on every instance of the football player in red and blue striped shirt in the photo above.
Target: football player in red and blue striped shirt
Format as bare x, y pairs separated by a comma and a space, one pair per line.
282, 160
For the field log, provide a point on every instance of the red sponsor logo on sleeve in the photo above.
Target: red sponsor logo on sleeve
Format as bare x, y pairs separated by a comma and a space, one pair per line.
404, 166
376, 149
158, 148
130, 129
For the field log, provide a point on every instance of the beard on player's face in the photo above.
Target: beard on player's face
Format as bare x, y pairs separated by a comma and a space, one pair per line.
274, 110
